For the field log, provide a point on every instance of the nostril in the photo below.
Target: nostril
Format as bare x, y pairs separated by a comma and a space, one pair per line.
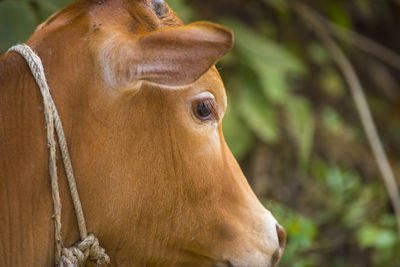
282, 242
281, 237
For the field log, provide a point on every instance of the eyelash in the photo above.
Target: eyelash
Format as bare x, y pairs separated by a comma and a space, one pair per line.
211, 106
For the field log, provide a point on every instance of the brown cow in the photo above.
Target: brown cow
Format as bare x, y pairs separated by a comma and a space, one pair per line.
142, 107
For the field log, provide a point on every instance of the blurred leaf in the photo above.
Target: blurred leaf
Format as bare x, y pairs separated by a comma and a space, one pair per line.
228, 60
342, 183
332, 83
17, 23
364, 7
259, 115
48, 7
357, 209
318, 54
301, 125
280, 5
268, 60
267, 28
372, 236
252, 107
183, 11
273, 81
332, 121
254, 47
45, 10
388, 220
355, 214
237, 135
338, 14
318, 169
301, 230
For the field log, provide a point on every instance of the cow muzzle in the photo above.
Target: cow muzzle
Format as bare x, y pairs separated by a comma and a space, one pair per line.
263, 249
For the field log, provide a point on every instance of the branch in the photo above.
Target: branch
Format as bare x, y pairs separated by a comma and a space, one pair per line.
312, 19
363, 43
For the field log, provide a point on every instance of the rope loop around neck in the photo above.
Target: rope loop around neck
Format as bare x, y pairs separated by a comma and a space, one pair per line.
89, 246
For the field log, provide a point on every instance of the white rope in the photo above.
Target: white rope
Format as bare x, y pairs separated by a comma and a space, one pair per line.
88, 248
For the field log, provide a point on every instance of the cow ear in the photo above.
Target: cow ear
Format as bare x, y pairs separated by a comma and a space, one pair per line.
176, 56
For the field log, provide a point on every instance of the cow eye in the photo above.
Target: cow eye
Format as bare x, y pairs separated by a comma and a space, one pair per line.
205, 109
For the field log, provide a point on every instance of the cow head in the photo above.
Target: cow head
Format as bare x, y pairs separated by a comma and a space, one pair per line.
142, 106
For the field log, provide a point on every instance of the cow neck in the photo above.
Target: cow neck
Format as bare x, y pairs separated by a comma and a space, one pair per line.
88, 248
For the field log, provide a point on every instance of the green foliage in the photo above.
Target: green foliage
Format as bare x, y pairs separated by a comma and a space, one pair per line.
278, 4
345, 209
237, 134
260, 118
182, 10
17, 22
48, 7
271, 66
19, 18
300, 125
301, 232
337, 13
372, 236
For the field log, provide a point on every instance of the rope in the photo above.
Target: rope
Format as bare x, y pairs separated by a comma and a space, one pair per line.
88, 248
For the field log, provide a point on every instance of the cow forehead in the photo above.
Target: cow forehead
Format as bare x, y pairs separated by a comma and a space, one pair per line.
210, 82
153, 14
112, 12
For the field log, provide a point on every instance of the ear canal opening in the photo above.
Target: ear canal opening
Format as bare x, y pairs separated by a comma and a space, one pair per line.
180, 55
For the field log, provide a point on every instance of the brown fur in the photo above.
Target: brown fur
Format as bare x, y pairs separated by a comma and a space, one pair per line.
157, 187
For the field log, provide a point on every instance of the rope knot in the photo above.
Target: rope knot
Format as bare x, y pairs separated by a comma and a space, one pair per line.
81, 252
